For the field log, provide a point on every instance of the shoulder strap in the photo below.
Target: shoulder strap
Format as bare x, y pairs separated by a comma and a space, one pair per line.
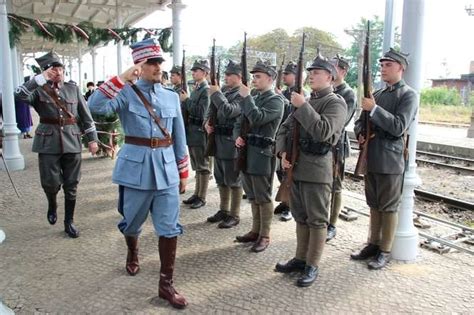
150, 111
59, 102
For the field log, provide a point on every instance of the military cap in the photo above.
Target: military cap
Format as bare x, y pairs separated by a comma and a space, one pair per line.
176, 69
397, 56
202, 64
291, 67
340, 62
265, 66
148, 49
322, 63
233, 68
49, 60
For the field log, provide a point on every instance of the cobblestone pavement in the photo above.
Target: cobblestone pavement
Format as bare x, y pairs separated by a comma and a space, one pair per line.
43, 271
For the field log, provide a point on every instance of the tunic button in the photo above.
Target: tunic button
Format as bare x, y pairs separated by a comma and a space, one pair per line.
154, 129
61, 116
62, 128
60, 110
154, 149
154, 110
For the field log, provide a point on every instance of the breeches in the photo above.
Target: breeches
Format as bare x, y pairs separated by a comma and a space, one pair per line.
60, 169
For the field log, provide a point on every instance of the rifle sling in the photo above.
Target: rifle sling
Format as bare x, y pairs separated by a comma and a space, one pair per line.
150, 111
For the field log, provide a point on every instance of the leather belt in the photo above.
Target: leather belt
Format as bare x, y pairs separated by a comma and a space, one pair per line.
58, 121
149, 142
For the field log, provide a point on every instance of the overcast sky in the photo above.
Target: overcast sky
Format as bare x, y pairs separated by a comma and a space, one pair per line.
448, 28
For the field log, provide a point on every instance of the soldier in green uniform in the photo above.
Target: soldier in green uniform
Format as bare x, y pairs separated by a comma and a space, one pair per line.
196, 106
264, 113
391, 112
64, 117
342, 149
320, 120
227, 106
175, 78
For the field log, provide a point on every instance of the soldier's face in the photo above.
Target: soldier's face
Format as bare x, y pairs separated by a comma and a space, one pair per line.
198, 75
391, 71
341, 74
58, 73
175, 78
261, 81
151, 71
289, 79
319, 79
232, 80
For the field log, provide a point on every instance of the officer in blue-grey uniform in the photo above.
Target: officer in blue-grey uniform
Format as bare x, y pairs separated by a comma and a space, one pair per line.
152, 166
64, 116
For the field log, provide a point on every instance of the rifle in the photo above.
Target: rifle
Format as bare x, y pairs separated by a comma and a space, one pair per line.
361, 166
245, 124
218, 75
280, 74
184, 88
283, 194
9, 176
211, 138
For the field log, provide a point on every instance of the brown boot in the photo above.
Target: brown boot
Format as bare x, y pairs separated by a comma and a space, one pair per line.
167, 250
246, 238
132, 265
261, 244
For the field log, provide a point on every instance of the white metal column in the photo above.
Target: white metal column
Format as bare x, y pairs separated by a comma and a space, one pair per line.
119, 44
177, 6
405, 245
94, 66
79, 66
389, 25
11, 148
14, 63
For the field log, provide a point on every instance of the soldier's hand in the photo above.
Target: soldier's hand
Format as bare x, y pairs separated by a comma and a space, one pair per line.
368, 103
297, 99
132, 73
278, 91
285, 164
183, 96
209, 128
244, 91
361, 139
182, 185
213, 89
239, 142
93, 147
50, 74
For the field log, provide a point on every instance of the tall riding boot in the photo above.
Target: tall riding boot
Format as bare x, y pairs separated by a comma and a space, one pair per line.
52, 208
194, 197
167, 250
203, 184
233, 219
253, 235
132, 265
69, 226
317, 239
389, 225
335, 209
266, 216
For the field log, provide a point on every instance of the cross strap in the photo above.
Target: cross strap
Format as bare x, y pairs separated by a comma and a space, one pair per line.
150, 111
59, 102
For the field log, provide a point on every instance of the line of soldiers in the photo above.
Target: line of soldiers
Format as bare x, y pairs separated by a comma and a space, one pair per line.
152, 166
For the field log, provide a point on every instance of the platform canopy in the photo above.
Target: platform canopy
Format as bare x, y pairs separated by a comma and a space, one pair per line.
101, 13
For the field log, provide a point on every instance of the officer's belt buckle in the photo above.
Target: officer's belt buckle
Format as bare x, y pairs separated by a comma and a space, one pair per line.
155, 142
61, 121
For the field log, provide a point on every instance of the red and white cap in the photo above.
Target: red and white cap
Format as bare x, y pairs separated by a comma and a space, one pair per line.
149, 49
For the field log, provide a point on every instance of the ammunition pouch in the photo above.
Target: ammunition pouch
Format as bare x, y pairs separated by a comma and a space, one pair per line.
309, 146
259, 141
224, 130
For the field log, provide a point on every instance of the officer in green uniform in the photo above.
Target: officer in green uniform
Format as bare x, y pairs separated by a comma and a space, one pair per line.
196, 107
391, 112
320, 120
64, 117
227, 107
264, 113
342, 149
175, 78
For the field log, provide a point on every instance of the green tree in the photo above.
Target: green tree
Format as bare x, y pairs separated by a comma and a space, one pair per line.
376, 45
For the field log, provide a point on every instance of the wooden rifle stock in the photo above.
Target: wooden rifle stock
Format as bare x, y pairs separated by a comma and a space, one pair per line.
211, 138
361, 166
280, 74
245, 124
283, 194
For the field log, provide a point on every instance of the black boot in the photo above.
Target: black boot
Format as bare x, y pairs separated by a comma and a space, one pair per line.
52, 208
167, 251
198, 203
309, 276
368, 251
190, 200
69, 227
331, 232
380, 261
291, 265
218, 216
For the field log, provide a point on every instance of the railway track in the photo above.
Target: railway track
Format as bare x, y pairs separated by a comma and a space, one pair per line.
430, 196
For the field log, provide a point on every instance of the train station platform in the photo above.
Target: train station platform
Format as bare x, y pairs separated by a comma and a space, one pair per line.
441, 139
42, 271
